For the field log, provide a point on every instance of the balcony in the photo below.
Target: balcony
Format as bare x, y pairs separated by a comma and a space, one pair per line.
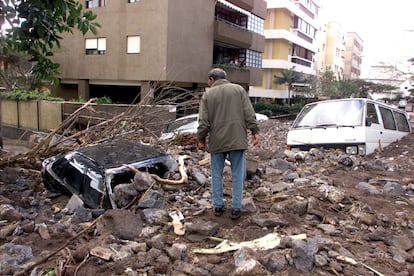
302, 35
232, 34
301, 61
242, 75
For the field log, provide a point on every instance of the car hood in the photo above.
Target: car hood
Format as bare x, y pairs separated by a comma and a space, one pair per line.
119, 152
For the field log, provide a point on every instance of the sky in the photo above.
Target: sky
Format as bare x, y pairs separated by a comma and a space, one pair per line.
385, 27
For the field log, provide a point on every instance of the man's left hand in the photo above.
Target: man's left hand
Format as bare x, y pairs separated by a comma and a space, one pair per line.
255, 139
201, 146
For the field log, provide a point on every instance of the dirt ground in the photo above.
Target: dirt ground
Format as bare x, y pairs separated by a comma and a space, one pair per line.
376, 229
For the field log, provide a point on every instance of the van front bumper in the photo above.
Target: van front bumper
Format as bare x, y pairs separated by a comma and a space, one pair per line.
351, 149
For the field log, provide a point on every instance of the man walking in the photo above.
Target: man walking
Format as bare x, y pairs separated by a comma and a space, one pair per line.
226, 114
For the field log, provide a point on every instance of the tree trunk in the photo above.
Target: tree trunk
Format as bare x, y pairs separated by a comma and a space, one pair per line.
289, 95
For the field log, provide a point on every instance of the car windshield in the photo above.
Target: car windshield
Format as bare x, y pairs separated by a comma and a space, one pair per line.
332, 113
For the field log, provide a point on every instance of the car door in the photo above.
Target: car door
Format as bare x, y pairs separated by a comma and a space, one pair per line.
389, 124
374, 129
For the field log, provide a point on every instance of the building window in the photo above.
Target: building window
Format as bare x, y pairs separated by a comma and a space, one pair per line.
304, 27
133, 44
253, 59
95, 46
255, 24
225, 13
95, 3
237, 57
337, 52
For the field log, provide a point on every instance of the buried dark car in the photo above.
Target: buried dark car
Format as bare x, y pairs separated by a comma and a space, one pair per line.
92, 172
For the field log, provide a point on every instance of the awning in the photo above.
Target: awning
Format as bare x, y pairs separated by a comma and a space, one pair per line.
234, 7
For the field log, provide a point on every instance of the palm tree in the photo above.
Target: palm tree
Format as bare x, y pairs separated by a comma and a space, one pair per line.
289, 77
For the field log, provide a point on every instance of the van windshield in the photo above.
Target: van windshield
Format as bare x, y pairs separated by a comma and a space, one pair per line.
347, 113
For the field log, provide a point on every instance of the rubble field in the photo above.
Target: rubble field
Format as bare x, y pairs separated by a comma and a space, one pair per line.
308, 213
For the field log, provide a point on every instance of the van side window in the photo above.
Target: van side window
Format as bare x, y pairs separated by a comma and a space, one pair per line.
387, 118
402, 122
372, 113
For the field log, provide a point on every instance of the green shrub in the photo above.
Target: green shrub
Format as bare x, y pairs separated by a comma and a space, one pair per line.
20, 94
103, 100
273, 109
78, 100
230, 67
260, 106
266, 112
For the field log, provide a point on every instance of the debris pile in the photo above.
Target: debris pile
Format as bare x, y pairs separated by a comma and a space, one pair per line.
317, 212
132, 124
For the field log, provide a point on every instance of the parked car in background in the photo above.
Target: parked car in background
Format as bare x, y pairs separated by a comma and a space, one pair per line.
356, 126
93, 172
189, 124
402, 103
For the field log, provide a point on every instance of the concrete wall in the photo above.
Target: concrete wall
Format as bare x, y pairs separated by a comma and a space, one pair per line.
50, 115
28, 114
46, 116
9, 112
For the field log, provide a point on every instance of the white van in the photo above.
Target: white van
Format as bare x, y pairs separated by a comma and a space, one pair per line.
356, 126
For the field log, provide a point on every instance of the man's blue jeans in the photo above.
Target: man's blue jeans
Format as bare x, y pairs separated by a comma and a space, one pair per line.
238, 174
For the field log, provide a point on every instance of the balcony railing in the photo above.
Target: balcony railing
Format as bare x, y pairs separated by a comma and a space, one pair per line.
242, 75
301, 61
230, 23
232, 34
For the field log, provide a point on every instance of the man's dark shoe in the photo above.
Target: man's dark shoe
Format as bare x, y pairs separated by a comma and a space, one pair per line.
218, 211
235, 213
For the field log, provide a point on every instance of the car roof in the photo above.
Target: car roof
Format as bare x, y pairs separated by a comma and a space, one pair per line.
118, 152
357, 99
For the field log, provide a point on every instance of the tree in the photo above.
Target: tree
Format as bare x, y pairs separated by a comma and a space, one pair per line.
289, 77
366, 88
327, 83
330, 87
15, 72
308, 90
34, 29
347, 89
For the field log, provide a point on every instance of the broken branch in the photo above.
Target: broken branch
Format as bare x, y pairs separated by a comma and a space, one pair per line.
269, 241
181, 169
353, 262
44, 259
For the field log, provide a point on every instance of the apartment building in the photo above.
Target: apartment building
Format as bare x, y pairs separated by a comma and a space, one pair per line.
290, 32
331, 39
352, 56
144, 46
397, 74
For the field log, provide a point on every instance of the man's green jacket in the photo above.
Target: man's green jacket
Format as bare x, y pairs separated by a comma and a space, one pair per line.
226, 114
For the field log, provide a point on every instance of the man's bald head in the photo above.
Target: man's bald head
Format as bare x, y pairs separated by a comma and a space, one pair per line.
217, 73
